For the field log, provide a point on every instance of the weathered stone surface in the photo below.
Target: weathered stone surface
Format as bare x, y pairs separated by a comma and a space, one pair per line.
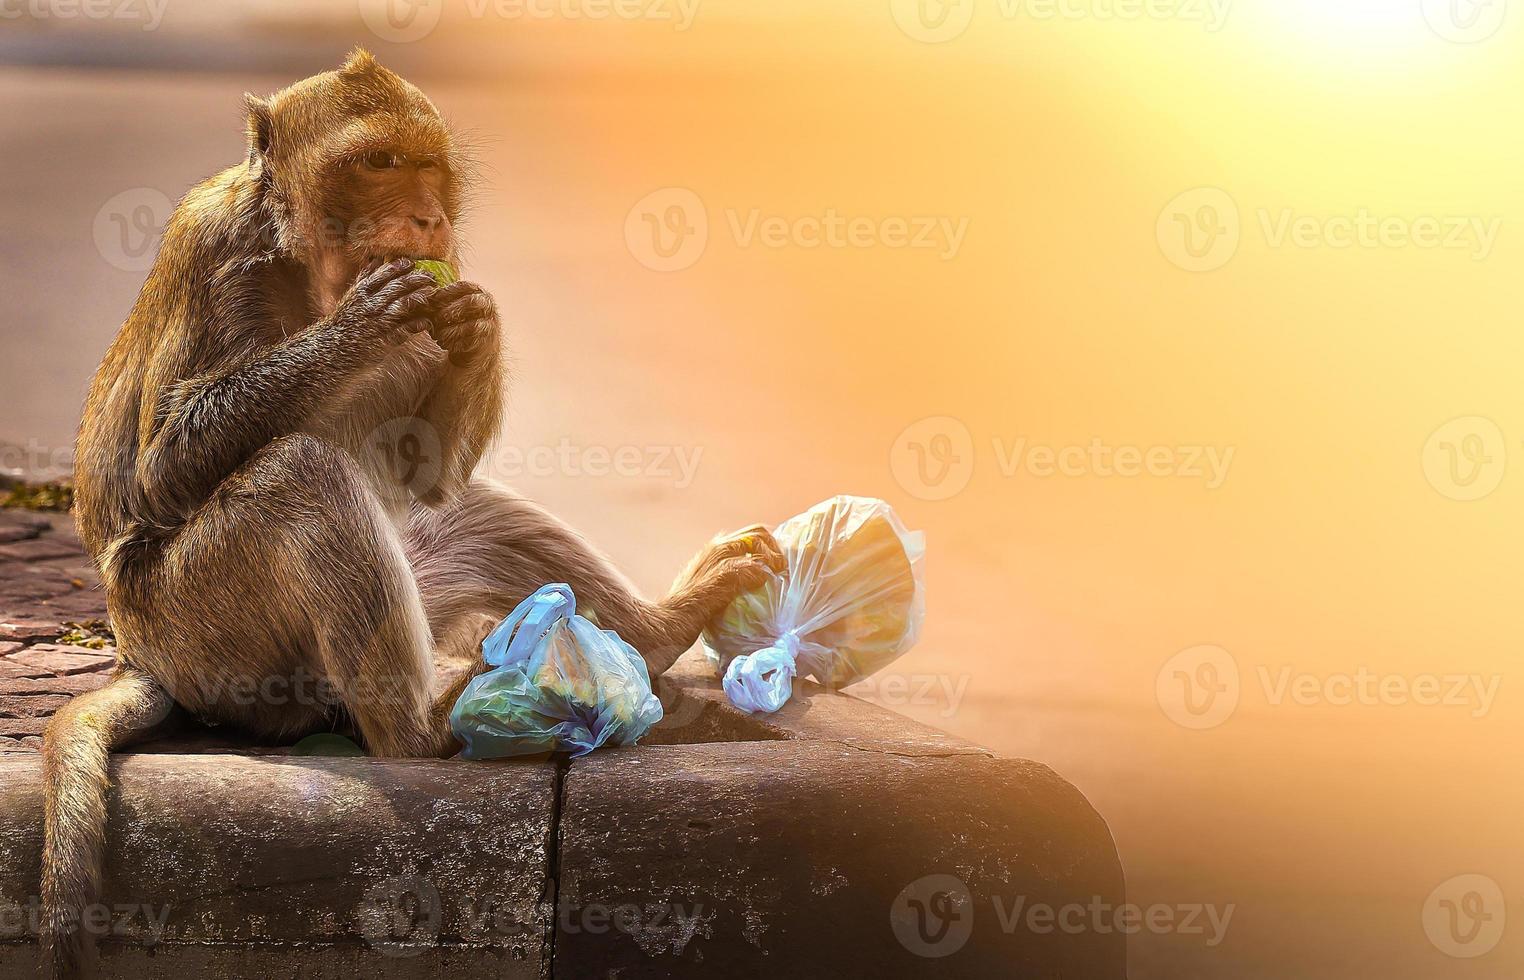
275, 960
49, 684
38, 549
26, 523
19, 727
22, 630
31, 706
10, 533
30, 743
788, 859
8, 647
239, 866
58, 658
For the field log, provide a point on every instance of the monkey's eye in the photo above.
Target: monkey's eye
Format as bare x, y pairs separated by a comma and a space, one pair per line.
380, 160
427, 163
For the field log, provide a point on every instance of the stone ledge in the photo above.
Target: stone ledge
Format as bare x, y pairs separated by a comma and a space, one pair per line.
211, 857
728, 844
789, 860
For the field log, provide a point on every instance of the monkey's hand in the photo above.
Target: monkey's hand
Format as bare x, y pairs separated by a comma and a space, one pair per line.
730, 565
386, 307
465, 322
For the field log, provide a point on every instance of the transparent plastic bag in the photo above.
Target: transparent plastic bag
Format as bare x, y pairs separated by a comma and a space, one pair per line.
851, 600
561, 684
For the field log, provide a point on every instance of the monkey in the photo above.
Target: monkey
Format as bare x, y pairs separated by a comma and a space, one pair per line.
275, 469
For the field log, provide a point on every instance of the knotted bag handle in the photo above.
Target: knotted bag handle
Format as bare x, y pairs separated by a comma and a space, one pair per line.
515, 638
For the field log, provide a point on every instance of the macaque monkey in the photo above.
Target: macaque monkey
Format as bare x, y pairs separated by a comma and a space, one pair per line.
275, 469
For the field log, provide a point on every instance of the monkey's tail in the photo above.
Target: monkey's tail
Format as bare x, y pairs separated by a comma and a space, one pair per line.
75, 751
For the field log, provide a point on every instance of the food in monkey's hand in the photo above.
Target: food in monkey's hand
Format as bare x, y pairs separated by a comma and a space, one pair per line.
443, 272
561, 684
851, 600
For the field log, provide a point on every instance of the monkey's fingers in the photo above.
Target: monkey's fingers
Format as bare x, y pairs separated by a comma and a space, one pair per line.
757, 541
472, 306
405, 296
455, 290
385, 273
466, 340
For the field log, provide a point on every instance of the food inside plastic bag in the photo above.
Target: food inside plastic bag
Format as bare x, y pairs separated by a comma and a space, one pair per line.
561, 684
851, 600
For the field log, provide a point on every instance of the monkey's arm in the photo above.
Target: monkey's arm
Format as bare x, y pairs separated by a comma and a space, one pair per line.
206, 425
465, 406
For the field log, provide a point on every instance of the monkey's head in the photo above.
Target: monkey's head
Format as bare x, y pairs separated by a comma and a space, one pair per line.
353, 166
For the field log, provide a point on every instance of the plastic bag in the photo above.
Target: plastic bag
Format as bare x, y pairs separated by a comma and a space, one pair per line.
851, 600
561, 684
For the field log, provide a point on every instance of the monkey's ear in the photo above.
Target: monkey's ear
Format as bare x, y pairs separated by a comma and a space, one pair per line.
359, 62
260, 126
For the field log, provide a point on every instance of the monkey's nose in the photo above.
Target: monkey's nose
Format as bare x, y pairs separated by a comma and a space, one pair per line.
428, 223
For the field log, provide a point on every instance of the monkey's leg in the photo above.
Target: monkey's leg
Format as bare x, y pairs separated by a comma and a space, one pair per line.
488, 549
294, 565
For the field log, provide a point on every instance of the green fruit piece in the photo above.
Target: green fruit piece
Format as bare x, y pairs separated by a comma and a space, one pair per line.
443, 272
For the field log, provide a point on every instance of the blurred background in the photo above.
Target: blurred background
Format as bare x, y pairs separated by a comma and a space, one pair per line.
1186, 329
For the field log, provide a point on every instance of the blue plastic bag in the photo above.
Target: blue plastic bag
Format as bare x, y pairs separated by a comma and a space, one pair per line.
851, 600
561, 684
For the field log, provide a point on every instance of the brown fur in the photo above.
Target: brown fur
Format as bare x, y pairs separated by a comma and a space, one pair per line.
272, 556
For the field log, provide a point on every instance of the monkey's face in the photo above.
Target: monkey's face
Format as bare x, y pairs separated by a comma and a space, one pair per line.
391, 202
359, 167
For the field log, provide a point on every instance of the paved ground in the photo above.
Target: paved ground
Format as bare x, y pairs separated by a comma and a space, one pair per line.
47, 591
